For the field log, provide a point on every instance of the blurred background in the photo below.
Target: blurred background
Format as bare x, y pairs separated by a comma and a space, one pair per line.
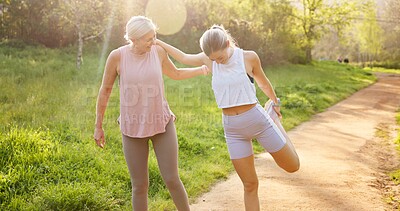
52, 56
280, 31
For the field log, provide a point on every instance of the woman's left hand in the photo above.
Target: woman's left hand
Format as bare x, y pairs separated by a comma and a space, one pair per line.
205, 70
278, 111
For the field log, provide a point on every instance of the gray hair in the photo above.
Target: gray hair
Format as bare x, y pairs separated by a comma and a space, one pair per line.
215, 39
138, 26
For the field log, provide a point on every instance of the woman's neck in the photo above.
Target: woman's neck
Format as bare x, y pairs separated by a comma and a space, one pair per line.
136, 51
231, 50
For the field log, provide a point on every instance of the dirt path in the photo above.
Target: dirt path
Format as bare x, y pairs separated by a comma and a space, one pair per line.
342, 160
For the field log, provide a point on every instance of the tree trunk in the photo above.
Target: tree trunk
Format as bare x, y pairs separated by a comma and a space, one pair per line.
79, 58
308, 55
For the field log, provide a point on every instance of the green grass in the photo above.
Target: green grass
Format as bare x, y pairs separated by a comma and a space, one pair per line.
50, 162
392, 198
382, 70
395, 175
309, 89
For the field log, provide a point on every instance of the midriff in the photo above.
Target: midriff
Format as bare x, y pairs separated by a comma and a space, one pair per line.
232, 111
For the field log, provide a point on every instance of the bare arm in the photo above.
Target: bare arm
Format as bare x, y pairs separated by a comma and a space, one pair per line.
184, 58
261, 79
171, 71
110, 74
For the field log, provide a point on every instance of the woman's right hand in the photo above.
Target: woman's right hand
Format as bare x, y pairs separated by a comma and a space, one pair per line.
99, 137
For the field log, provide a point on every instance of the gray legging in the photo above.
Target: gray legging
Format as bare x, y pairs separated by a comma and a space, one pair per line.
136, 151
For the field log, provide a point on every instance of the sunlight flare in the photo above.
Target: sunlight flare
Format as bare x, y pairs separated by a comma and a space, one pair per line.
168, 15
103, 55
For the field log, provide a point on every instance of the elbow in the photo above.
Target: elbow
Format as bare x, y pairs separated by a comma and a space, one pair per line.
176, 76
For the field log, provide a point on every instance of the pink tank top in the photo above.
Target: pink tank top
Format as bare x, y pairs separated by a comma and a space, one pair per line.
144, 111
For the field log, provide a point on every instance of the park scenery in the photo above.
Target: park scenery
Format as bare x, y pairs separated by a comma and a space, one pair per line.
334, 64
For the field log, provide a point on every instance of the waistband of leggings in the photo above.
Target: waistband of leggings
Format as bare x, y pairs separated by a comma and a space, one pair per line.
241, 114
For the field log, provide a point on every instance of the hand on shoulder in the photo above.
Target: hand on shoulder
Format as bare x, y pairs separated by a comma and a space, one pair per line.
161, 51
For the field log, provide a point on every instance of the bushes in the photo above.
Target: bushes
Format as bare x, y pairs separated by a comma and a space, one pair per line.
387, 65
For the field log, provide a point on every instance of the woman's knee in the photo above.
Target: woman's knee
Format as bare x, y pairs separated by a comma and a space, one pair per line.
173, 182
290, 165
250, 186
293, 167
140, 188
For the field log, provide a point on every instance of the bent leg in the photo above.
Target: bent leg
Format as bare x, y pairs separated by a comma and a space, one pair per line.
136, 153
275, 140
247, 173
287, 158
166, 149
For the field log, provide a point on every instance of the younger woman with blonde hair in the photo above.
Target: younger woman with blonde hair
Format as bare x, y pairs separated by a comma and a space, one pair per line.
244, 119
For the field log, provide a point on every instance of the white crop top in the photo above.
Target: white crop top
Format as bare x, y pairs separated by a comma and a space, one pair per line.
230, 83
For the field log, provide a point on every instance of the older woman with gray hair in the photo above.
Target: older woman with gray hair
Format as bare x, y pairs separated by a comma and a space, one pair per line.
144, 111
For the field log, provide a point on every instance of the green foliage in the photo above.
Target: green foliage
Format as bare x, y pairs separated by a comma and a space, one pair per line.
263, 26
307, 89
370, 34
382, 70
50, 162
316, 17
279, 31
391, 33
387, 65
395, 175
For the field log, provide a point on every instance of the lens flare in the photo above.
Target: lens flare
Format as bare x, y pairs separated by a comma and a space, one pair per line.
106, 43
168, 15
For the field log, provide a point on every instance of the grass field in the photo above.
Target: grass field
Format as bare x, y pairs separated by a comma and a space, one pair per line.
395, 175
50, 162
382, 70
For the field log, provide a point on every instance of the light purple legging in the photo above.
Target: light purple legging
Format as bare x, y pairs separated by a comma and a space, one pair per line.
255, 123
136, 151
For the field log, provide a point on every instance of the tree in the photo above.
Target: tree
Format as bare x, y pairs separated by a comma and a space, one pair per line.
315, 17
197, 21
14, 18
89, 19
264, 26
391, 29
30, 21
369, 34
